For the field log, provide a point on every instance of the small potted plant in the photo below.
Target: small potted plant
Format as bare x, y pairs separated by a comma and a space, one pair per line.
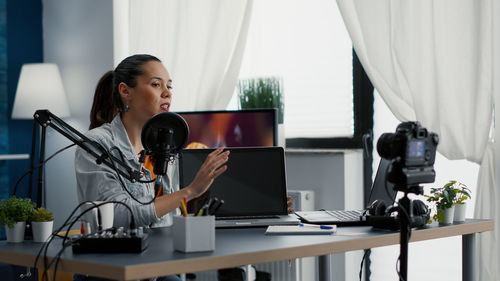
444, 199
42, 222
14, 212
462, 194
264, 92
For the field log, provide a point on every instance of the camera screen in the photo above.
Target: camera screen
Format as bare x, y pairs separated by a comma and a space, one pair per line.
416, 149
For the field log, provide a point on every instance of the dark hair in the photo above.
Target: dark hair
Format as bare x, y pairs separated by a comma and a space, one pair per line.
107, 101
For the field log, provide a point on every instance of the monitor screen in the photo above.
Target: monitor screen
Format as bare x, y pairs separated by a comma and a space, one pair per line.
231, 128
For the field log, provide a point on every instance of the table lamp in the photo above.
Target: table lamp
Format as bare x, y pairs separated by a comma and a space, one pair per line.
39, 87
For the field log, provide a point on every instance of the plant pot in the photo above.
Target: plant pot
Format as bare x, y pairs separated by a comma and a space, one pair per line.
460, 212
281, 135
41, 230
448, 215
16, 233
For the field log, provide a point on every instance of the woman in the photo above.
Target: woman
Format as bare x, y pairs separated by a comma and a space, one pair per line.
137, 89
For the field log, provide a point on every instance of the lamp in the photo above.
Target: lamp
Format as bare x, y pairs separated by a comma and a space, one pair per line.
39, 87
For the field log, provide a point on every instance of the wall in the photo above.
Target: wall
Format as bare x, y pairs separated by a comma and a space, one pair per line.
24, 45
78, 36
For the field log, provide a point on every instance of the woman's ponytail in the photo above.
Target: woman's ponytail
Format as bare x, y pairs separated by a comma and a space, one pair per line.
104, 106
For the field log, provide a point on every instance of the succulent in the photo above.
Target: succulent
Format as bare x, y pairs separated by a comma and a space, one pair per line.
42, 214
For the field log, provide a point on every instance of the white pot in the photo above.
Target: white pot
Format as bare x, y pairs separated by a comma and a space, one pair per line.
281, 135
460, 212
41, 230
448, 215
15, 234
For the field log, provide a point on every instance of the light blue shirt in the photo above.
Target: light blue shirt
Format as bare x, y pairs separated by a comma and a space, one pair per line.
100, 182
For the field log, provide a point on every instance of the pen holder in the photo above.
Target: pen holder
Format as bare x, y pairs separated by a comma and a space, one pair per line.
194, 233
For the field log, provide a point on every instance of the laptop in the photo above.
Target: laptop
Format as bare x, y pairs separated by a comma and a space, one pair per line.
355, 217
253, 187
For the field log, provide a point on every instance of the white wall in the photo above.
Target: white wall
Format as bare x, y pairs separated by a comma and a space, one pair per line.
78, 36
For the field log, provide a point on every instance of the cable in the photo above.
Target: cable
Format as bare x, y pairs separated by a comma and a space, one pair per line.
389, 195
362, 261
108, 154
38, 166
70, 221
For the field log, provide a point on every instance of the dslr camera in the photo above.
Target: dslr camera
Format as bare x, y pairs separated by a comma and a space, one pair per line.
412, 150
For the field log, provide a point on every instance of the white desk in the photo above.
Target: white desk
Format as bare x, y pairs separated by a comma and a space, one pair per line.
236, 247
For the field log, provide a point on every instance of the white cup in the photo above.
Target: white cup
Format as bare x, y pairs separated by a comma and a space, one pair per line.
107, 214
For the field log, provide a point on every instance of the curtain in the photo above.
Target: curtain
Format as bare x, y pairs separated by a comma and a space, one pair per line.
200, 42
432, 61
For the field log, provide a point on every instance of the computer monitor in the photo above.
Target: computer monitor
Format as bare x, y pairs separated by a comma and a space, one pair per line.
232, 128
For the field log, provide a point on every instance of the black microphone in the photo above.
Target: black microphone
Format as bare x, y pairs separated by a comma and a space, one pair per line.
163, 136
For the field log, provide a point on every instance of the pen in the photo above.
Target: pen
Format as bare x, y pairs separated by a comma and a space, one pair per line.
183, 209
317, 226
200, 212
216, 207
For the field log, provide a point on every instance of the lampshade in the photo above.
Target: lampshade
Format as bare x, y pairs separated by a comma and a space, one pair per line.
39, 87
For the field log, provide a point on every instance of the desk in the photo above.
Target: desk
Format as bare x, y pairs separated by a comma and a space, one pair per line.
235, 247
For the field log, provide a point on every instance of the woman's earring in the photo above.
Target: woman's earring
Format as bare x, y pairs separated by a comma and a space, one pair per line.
127, 108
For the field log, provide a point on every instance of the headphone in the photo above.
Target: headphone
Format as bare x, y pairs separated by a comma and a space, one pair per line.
381, 215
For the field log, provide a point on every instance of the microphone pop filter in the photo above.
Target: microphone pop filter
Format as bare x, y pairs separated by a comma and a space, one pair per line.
166, 131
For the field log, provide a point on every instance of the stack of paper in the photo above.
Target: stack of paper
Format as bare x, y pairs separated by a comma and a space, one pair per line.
300, 229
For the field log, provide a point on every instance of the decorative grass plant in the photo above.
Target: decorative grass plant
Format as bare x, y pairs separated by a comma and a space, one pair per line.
262, 92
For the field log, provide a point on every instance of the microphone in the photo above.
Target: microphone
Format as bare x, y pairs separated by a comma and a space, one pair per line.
163, 136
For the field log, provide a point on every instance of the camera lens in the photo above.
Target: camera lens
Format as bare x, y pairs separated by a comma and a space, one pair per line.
385, 146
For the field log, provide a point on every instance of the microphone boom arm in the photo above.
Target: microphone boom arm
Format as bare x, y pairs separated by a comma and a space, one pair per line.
47, 119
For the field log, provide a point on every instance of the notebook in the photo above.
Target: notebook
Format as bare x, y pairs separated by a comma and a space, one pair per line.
253, 187
355, 217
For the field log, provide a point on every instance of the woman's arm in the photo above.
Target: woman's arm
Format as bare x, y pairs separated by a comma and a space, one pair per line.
213, 166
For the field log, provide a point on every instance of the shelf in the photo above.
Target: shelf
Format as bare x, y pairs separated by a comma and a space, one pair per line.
14, 156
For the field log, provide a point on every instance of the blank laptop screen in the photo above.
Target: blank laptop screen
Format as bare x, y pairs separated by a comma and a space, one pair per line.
253, 185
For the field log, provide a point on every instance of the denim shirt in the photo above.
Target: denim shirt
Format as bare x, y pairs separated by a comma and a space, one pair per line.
100, 183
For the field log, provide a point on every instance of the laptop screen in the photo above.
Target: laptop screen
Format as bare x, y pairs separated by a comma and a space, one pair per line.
382, 190
253, 185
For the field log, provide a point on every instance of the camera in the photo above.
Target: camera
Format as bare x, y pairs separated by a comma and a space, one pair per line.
412, 150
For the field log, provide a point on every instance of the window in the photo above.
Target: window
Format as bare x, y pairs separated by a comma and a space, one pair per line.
306, 43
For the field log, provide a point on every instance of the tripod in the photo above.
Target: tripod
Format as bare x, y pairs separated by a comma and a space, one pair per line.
405, 215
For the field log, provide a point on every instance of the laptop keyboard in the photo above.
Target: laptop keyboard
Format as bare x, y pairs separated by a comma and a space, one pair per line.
247, 217
350, 215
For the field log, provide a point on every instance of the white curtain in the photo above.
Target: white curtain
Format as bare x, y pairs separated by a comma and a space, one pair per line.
432, 61
200, 42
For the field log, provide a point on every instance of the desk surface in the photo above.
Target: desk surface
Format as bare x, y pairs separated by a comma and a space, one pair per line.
234, 247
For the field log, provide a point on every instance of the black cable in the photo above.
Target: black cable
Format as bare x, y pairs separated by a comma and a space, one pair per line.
56, 258
38, 166
108, 154
362, 261
389, 195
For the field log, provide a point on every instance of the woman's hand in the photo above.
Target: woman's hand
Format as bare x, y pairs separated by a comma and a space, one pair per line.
289, 204
213, 166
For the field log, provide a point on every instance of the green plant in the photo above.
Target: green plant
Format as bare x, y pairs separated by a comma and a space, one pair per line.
42, 214
445, 197
262, 92
463, 192
15, 210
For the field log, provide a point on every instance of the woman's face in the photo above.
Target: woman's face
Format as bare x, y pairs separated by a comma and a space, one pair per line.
153, 92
